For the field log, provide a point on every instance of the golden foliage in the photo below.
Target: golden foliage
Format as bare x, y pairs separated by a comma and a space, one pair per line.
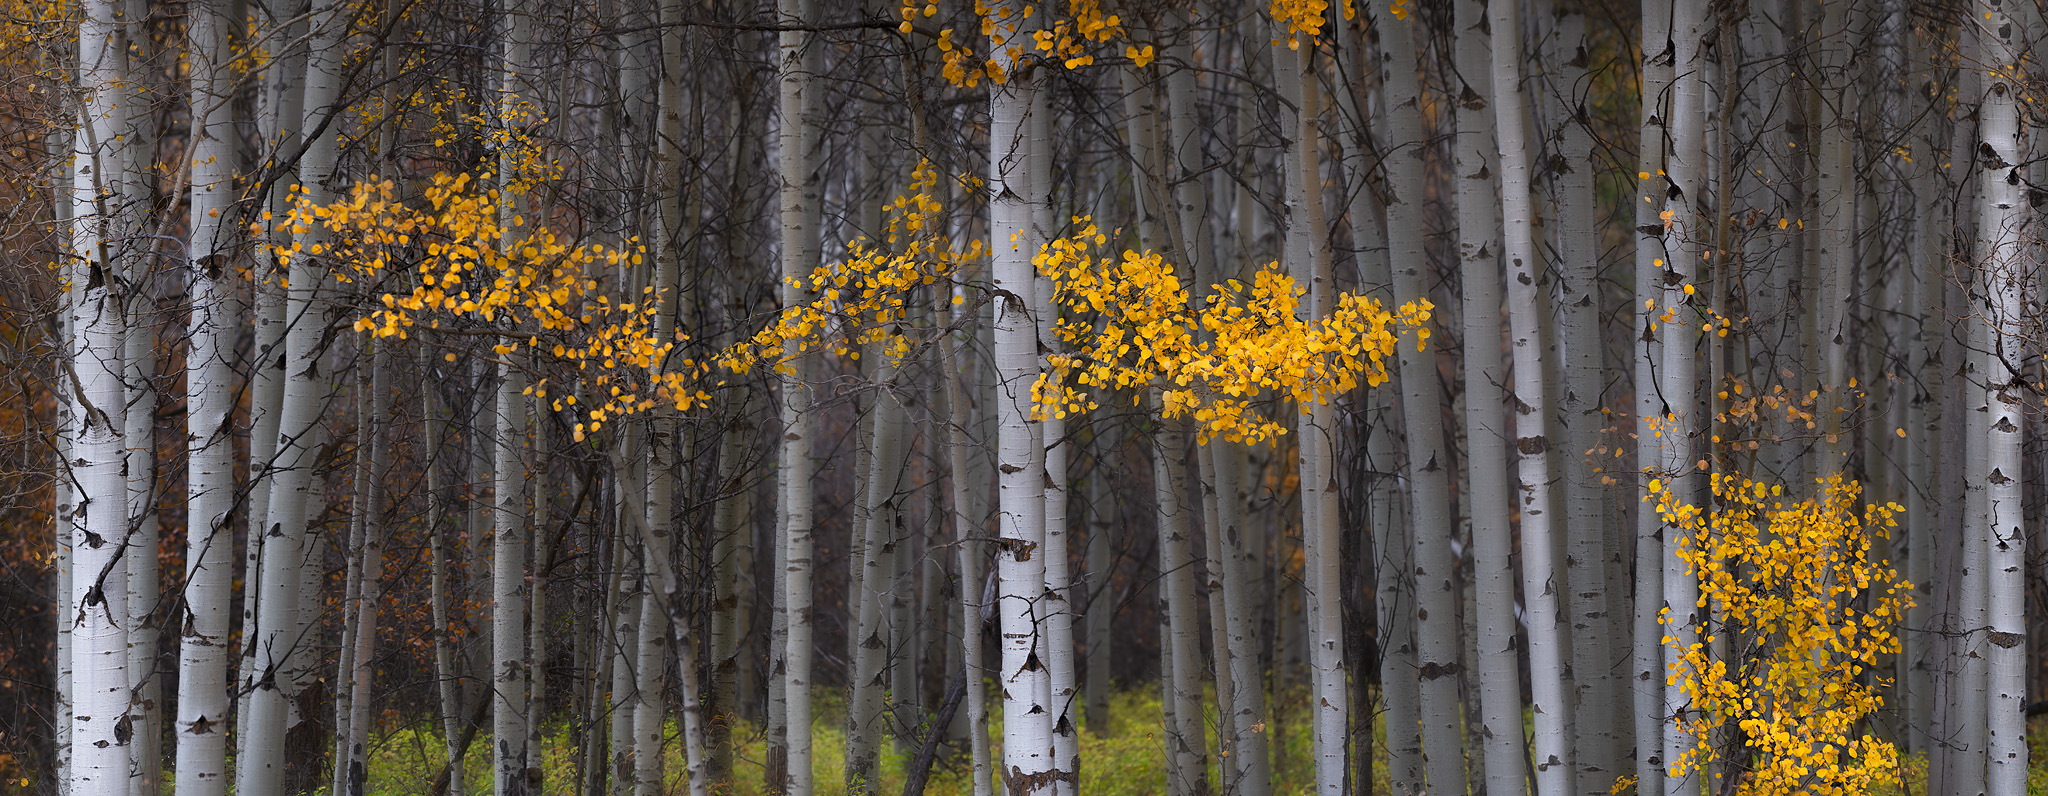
522, 280
1132, 327
1798, 586
867, 297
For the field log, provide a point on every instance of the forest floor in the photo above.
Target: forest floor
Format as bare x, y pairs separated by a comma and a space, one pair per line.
1128, 761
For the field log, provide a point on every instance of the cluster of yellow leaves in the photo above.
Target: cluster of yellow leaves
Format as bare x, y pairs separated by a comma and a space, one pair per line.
532, 286
1813, 609
1304, 17
1066, 40
866, 298
1131, 326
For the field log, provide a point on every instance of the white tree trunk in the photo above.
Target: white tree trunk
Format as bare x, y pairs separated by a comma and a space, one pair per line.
137, 266
361, 670
96, 604
1550, 746
273, 672
508, 581
1679, 336
800, 102
871, 644
1647, 650
1486, 427
1309, 259
1589, 562
1181, 644
969, 510
1436, 625
1029, 764
202, 723
447, 679
2002, 259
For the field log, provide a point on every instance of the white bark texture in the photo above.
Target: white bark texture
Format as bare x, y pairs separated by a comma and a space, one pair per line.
1181, 646
508, 581
1436, 611
970, 507
1029, 766
96, 604
1685, 243
1486, 430
1541, 581
1309, 259
871, 646
1647, 650
201, 726
273, 672
361, 671
2001, 214
1593, 573
800, 197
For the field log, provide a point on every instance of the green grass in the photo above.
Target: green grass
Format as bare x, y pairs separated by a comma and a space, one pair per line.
1128, 761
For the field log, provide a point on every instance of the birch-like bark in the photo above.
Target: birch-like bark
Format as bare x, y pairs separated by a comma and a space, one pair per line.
970, 507
1309, 259
800, 196
96, 603
871, 647
508, 577
625, 651
1486, 427
65, 497
202, 722
1684, 246
1647, 651
1029, 764
1836, 234
650, 732
1182, 644
1393, 546
1436, 614
2001, 253
137, 266
355, 769
446, 677
1598, 689
1549, 746
271, 676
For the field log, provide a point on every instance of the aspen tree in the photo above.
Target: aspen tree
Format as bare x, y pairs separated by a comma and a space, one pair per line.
96, 605
448, 682
1183, 639
1679, 417
1837, 233
202, 722
65, 498
1056, 616
1309, 260
2000, 217
1393, 547
272, 675
800, 100
1029, 764
1591, 574
1646, 658
137, 269
970, 506
1436, 623
1549, 746
871, 648
1474, 155
353, 771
